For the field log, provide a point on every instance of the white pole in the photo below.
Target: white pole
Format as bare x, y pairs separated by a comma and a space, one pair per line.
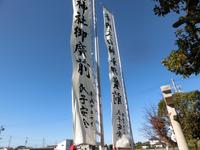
99, 105
174, 86
168, 97
177, 129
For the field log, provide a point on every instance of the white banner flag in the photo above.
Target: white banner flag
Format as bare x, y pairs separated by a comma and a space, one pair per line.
83, 92
122, 135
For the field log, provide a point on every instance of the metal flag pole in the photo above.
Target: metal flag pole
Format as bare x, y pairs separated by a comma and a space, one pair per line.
174, 86
123, 82
99, 105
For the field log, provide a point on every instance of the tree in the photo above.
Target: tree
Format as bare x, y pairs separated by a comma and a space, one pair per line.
157, 126
188, 108
185, 60
188, 115
110, 147
138, 145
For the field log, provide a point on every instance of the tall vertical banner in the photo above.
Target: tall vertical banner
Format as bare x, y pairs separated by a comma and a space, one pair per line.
122, 134
83, 88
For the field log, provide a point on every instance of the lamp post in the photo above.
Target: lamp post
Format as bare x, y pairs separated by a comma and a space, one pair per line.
168, 97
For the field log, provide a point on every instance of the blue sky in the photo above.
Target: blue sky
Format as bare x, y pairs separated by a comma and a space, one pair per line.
35, 66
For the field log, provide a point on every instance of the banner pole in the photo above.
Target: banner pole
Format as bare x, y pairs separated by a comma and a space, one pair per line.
98, 87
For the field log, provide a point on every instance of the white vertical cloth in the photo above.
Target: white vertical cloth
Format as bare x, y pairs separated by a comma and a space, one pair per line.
122, 135
83, 88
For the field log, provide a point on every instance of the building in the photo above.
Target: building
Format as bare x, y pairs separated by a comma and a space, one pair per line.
155, 143
64, 145
21, 148
6, 148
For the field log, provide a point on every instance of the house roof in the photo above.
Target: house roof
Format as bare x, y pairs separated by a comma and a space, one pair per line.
153, 138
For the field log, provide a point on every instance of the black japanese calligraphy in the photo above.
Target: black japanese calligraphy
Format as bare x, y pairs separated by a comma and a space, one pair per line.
83, 99
86, 124
119, 126
111, 50
83, 67
114, 70
123, 122
91, 100
81, 49
91, 111
107, 17
82, 5
117, 97
115, 83
78, 32
118, 113
80, 19
108, 25
84, 110
82, 88
119, 133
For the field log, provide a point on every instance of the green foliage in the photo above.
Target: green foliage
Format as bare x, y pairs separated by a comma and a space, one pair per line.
110, 147
163, 7
193, 144
185, 60
188, 108
162, 111
188, 113
138, 145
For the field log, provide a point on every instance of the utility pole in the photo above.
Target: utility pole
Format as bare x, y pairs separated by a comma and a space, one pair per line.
168, 97
43, 142
26, 141
9, 142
